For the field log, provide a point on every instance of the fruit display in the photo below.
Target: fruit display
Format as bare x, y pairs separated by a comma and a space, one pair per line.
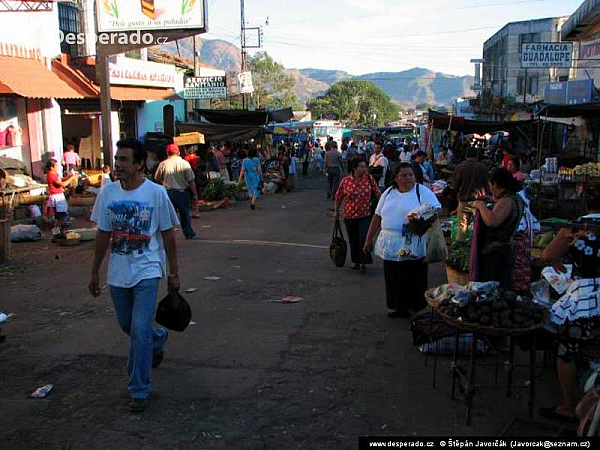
542, 240
71, 235
589, 170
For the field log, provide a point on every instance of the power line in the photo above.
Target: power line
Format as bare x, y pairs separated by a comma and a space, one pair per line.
368, 16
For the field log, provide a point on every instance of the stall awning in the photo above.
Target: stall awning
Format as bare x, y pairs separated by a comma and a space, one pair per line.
30, 78
237, 116
133, 93
223, 132
456, 123
587, 110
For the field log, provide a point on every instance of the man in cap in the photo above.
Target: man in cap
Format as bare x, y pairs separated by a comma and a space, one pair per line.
177, 176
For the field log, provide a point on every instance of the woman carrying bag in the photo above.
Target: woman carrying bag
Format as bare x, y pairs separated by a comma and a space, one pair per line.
357, 190
402, 250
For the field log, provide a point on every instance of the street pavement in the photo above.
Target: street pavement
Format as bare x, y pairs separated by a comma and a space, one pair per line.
251, 373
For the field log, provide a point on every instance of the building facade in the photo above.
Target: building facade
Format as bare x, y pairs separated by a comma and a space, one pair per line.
503, 79
583, 28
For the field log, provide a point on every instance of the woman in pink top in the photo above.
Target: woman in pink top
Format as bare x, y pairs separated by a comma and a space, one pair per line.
70, 159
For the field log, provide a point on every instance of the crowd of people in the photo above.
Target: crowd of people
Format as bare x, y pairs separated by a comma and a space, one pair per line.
374, 185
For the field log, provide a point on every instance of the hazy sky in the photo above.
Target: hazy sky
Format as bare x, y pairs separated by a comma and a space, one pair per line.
362, 36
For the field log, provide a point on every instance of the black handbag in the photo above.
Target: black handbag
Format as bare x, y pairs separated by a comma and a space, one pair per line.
374, 199
173, 312
338, 248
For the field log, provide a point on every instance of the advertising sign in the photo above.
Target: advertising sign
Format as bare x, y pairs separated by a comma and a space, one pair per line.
556, 93
141, 73
204, 88
128, 15
245, 83
579, 91
589, 50
540, 55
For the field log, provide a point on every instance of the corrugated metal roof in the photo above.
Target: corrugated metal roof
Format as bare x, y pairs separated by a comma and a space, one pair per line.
586, 15
30, 78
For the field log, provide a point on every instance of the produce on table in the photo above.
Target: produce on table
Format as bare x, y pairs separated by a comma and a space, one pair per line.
542, 240
504, 310
590, 170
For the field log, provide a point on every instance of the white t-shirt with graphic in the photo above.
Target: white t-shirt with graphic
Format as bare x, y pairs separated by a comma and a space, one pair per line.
136, 219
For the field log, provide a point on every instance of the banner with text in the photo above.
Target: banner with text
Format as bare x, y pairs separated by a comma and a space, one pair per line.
541, 55
128, 15
205, 88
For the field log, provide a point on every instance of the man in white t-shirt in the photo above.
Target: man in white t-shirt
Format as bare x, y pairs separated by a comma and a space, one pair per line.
140, 218
379, 165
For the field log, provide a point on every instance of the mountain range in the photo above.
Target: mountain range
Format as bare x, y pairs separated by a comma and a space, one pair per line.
408, 87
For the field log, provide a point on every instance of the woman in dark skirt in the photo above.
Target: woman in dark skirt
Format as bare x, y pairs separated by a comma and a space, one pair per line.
402, 251
357, 190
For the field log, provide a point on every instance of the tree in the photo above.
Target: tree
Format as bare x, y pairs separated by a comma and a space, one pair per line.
272, 86
357, 102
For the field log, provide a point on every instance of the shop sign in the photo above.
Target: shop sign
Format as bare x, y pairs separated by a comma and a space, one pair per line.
589, 50
204, 88
569, 92
579, 91
541, 55
131, 15
142, 73
245, 83
556, 93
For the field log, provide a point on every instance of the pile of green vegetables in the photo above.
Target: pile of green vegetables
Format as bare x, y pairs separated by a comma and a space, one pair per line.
459, 255
218, 190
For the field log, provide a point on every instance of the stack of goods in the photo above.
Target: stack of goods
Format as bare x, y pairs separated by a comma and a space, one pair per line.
486, 305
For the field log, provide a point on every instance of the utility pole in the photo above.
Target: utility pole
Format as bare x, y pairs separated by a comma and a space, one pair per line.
198, 104
243, 45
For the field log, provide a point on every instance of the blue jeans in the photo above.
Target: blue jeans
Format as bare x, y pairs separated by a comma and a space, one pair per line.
181, 203
135, 312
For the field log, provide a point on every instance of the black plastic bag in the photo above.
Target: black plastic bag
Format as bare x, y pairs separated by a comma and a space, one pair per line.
338, 247
174, 312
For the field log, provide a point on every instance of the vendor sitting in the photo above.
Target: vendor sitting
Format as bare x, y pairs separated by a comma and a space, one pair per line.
578, 324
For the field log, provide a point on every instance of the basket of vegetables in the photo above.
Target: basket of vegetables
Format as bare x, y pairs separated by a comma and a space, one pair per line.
458, 261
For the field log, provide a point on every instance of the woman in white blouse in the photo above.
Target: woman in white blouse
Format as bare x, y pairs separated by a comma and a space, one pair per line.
403, 252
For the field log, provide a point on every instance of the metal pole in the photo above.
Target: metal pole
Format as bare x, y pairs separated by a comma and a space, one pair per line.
243, 46
525, 90
197, 66
105, 108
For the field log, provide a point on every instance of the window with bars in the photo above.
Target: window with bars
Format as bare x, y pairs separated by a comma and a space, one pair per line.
69, 22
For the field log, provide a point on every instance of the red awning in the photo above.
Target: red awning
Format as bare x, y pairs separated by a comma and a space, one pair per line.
30, 78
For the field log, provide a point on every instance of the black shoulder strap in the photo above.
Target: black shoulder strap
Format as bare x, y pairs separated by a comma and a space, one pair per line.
418, 194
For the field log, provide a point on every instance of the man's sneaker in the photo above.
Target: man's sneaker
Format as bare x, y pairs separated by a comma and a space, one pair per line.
138, 405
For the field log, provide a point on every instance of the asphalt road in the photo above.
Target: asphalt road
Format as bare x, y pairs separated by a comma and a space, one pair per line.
252, 372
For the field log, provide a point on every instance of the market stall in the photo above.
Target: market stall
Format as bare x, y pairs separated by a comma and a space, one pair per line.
483, 311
